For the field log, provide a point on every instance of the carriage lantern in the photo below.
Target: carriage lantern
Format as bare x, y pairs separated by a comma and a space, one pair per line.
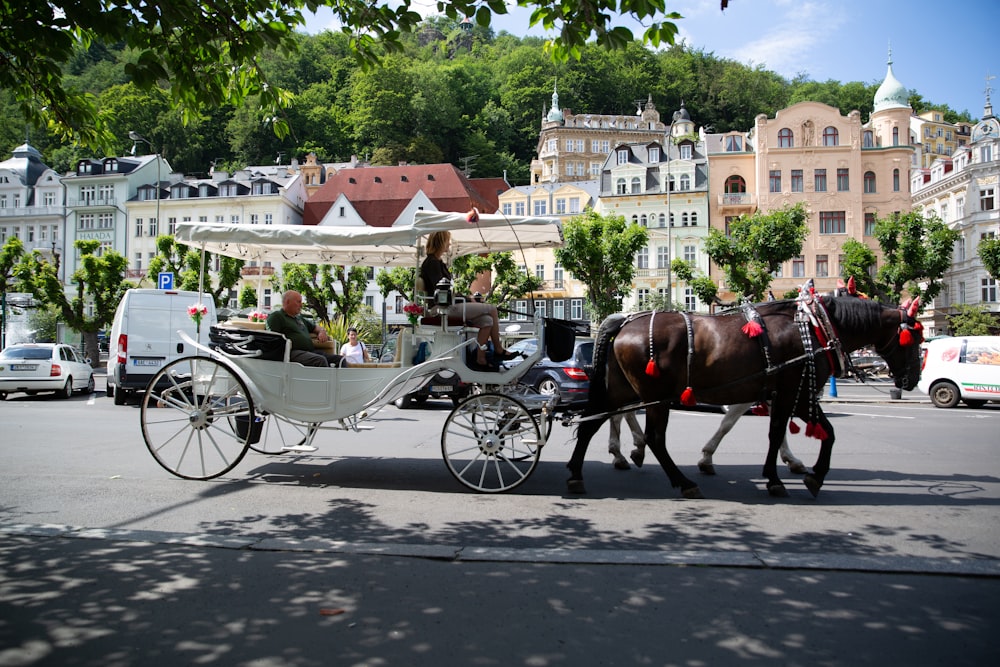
442, 294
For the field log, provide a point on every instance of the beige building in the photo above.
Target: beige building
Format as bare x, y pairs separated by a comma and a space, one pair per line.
573, 147
935, 138
846, 173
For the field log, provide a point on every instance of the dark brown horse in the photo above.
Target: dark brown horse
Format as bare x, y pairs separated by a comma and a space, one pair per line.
781, 351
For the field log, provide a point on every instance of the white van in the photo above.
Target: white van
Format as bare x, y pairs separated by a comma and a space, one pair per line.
144, 336
965, 368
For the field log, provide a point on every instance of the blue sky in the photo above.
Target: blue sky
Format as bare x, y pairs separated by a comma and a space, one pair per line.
944, 50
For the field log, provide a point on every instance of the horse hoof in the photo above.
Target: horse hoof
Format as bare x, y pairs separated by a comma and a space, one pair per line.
777, 490
797, 468
813, 485
621, 464
575, 486
693, 493
637, 459
706, 468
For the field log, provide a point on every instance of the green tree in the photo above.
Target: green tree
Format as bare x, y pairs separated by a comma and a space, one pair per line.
248, 297
600, 252
44, 322
98, 286
704, 287
11, 255
989, 255
508, 282
756, 247
186, 265
916, 252
318, 287
397, 279
970, 320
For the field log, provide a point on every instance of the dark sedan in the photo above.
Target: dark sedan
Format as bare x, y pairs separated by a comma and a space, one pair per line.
566, 380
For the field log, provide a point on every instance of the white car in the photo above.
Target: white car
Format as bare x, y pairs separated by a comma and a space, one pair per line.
961, 368
37, 367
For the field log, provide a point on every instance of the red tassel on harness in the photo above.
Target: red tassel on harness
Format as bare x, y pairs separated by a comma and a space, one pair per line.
687, 397
760, 409
905, 337
819, 432
651, 369
793, 428
753, 329
810, 429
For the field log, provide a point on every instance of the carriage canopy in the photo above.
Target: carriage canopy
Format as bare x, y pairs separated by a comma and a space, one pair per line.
362, 245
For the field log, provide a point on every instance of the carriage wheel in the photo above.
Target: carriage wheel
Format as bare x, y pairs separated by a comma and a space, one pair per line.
185, 415
490, 442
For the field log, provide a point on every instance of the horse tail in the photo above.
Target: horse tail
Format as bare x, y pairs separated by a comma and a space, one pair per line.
605, 334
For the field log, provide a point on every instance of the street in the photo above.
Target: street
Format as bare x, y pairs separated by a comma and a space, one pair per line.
370, 539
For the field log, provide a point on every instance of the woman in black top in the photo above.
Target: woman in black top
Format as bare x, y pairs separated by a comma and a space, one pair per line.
482, 315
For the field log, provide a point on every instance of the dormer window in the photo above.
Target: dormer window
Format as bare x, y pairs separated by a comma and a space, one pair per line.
654, 154
84, 168
111, 165
686, 151
623, 156
734, 144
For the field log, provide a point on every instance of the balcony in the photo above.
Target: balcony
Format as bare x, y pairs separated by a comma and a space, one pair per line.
737, 200
93, 202
32, 211
651, 273
135, 273
258, 271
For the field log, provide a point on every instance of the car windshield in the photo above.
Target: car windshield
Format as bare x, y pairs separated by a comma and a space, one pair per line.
26, 353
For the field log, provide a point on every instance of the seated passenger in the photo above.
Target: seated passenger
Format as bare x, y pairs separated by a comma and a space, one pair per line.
290, 322
482, 315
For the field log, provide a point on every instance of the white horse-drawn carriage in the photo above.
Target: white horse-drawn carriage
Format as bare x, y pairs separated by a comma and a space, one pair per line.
201, 414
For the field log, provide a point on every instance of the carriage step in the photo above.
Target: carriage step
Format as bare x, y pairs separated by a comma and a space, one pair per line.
305, 449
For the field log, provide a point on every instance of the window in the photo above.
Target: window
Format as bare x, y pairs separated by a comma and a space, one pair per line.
832, 222
869, 186
520, 207
153, 225
822, 266
735, 185
49, 199
686, 151
785, 138
560, 207
642, 295
574, 205
989, 290
31, 234
685, 182
620, 187
796, 180
895, 136
506, 208
540, 271
557, 276
521, 310
986, 198
138, 226
662, 257
642, 258
961, 292
694, 218
636, 185
541, 207
798, 267
559, 309
895, 180
869, 224
106, 221
623, 156
595, 169
689, 253
775, 180
661, 220
254, 218
234, 219
958, 252
831, 137
576, 309
843, 180
734, 143
539, 308
986, 153
138, 261
819, 180
86, 221
654, 153
690, 301
868, 140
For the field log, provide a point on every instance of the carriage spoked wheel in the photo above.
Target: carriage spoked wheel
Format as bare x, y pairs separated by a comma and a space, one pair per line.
188, 414
491, 442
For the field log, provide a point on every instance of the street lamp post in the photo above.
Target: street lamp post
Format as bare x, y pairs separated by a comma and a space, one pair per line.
135, 138
670, 219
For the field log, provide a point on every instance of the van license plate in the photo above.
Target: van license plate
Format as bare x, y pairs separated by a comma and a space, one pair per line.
23, 367
441, 388
146, 362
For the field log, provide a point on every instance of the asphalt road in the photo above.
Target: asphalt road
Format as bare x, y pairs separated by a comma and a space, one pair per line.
368, 553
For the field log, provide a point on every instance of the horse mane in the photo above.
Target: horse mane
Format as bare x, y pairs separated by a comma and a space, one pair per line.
853, 313
611, 325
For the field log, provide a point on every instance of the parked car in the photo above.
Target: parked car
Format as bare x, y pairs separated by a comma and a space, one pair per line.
869, 363
37, 367
961, 368
566, 380
442, 385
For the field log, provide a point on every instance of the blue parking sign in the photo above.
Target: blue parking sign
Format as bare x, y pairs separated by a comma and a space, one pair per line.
165, 280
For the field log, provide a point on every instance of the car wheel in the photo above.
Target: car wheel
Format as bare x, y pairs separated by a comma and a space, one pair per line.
403, 402
944, 394
549, 387
109, 390
67, 390
90, 386
119, 396
975, 402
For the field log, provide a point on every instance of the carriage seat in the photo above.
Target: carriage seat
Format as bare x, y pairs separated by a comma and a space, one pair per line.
375, 364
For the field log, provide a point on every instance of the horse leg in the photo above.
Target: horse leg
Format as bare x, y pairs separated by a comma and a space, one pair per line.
656, 431
638, 454
814, 480
615, 443
776, 434
795, 465
733, 414
584, 433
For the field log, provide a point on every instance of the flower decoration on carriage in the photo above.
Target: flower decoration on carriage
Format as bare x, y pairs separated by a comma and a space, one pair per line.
413, 312
196, 311
257, 316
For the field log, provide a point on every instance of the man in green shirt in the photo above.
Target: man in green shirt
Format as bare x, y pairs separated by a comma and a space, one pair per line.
290, 322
